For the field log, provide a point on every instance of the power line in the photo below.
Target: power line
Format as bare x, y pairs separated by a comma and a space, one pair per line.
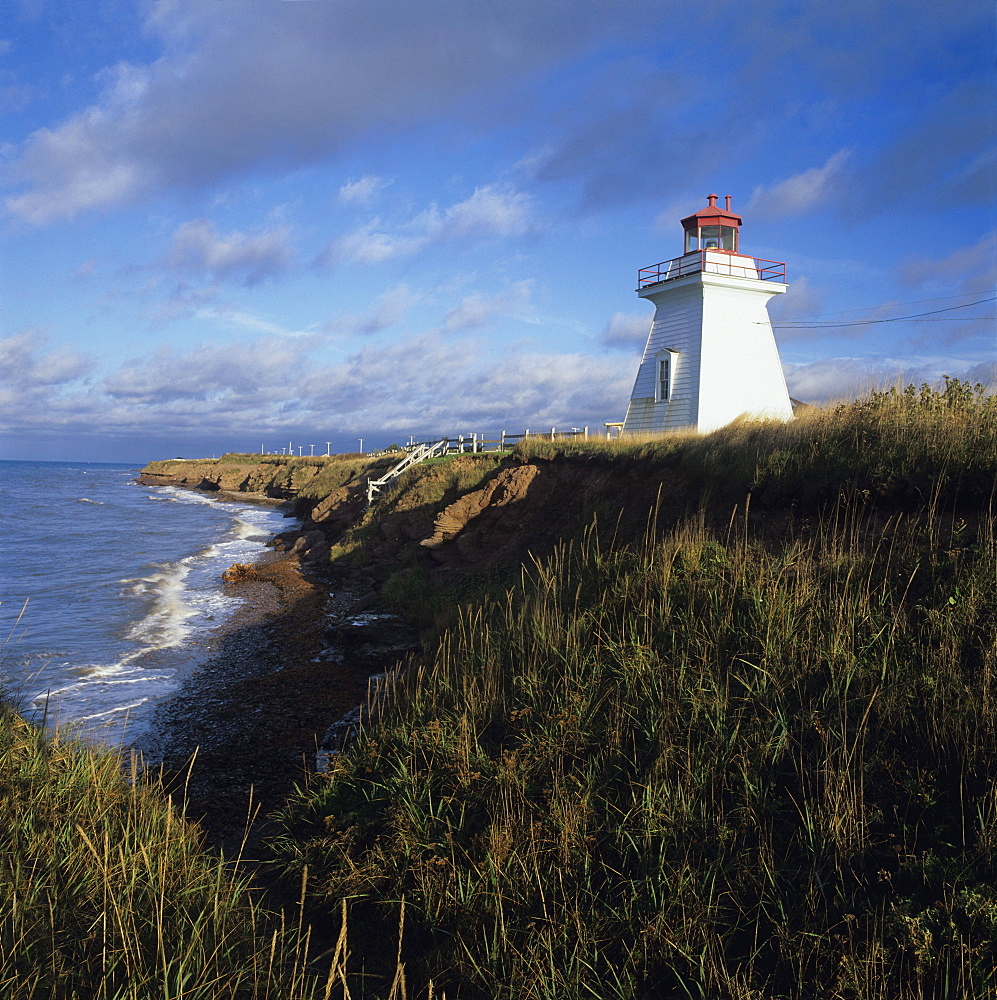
823, 324
909, 302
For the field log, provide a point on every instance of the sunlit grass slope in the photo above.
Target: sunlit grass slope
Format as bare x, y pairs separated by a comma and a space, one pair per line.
754, 761
753, 756
107, 894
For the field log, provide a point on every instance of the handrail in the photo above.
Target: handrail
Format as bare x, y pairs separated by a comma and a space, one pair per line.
718, 262
420, 451
415, 456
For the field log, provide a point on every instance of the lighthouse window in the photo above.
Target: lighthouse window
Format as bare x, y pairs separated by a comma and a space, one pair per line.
663, 374
728, 238
710, 237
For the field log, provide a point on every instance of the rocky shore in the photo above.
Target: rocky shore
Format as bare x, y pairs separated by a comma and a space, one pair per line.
276, 694
247, 724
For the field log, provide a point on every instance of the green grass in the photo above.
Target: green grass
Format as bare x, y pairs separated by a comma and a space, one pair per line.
752, 756
756, 761
902, 447
106, 891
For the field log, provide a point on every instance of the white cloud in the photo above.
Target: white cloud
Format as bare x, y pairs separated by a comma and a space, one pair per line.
626, 332
368, 244
208, 380
363, 191
197, 248
272, 383
24, 364
489, 211
389, 309
799, 193
476, 309
236, 86
36, 382
237, 317
73, 168
830, 379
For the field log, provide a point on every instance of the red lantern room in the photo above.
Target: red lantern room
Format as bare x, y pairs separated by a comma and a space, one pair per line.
712, 228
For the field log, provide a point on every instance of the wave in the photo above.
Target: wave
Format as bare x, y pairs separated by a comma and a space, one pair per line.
120, 636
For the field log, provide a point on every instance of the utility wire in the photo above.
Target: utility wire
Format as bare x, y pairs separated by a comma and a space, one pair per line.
822, 324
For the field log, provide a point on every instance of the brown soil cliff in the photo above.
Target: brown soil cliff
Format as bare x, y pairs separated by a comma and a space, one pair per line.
258, 709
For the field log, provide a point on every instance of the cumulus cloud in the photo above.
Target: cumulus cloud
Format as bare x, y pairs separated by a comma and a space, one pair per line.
198, 248
24, 362
800, 193
209, 378
476, 309
239, 85
389, 309
626, 332
830, 379
379, 387
490, 211
37, 382
272, 383
361, 191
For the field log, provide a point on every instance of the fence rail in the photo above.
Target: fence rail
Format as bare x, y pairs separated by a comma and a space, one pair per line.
433, 447
474, 443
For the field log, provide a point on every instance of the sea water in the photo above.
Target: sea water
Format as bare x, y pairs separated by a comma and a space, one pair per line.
109, 589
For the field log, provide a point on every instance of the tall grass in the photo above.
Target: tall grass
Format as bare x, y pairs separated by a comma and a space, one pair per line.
900, 446
724, 763
753, 757
106, 892
701, 769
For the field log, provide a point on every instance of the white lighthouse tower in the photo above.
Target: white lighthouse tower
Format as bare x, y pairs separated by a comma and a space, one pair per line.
711, 355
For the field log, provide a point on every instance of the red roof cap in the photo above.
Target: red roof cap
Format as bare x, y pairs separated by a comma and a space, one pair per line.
713, 214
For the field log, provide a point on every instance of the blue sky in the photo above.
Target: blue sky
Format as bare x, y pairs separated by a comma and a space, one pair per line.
233, 224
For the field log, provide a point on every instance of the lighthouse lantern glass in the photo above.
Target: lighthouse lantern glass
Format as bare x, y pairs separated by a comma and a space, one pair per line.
711, 238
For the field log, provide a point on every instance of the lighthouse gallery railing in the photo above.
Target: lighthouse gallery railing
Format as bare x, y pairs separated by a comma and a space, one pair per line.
716, 263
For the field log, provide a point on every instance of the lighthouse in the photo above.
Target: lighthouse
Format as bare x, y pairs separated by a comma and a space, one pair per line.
711, 355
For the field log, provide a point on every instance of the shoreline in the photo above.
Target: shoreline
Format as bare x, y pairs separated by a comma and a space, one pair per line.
239, 726
245, 724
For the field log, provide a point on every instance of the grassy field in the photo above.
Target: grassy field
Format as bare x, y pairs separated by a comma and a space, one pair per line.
752, 756
106, 892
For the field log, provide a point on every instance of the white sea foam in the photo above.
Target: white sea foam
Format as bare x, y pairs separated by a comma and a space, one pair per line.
111, 645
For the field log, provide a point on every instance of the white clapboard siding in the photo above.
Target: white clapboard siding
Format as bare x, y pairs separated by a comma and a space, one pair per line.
726, 363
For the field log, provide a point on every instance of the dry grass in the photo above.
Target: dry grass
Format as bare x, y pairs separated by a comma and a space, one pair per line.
712, 765
756, 762
106, 892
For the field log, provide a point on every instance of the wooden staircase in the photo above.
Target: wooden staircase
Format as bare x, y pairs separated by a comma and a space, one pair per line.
419, 454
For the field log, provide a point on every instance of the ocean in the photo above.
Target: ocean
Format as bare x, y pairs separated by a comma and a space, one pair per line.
110, 589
